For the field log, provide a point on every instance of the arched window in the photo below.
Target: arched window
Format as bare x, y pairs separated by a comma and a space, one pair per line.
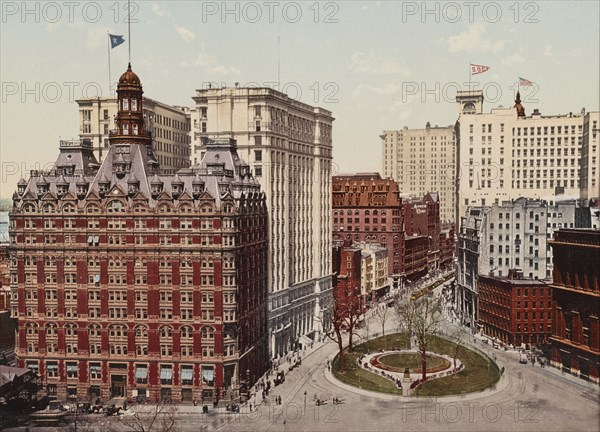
208, 333
187, 332
141, 332
166, 332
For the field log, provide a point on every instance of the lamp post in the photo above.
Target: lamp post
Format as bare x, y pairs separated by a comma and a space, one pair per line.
304, 401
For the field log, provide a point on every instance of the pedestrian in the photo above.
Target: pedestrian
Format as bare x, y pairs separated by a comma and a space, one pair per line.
250, 406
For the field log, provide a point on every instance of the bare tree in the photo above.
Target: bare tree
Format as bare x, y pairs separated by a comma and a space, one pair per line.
458, 343
381, 315
346, 311
336, 334
422, 318
150, 418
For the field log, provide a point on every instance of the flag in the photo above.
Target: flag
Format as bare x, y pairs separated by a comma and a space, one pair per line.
477, 69
115, 40
525, 82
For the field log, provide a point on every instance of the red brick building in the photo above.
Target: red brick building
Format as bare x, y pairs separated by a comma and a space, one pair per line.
575, 341
422, 218
138, 285
515, 310
347, 276
367, 208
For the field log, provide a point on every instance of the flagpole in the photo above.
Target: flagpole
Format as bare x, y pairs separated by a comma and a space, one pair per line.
470, 73
109, 74
278, 65
129, 27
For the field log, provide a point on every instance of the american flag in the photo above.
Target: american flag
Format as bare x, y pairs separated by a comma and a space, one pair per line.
477, 69
525, 82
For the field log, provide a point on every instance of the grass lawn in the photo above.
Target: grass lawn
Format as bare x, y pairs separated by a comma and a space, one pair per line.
400, 361
356, 376
479, 372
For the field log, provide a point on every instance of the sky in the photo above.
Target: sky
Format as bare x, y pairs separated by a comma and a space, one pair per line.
377, 65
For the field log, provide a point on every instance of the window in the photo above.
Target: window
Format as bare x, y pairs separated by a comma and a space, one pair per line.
71, 370
187, 376
52, 369
141, 374
166, 374
95, 371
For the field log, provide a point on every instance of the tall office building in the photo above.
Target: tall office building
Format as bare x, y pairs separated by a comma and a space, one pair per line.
131, 283
288, 145
422, 161
169, 125
505, 154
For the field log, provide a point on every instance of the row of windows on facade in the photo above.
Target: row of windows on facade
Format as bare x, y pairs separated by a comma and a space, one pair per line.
121, 279
229, 315
164, 240
114, 207
118, 261
141, 372
121, 296
207, 332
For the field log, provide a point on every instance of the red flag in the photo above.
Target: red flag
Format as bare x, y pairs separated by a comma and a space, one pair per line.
477, 69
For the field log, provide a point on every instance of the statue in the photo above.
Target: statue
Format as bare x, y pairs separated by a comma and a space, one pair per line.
520, 109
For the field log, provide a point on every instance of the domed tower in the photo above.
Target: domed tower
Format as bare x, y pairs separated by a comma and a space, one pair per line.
129, 121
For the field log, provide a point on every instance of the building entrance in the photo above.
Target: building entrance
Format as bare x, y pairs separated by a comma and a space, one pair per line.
117, 386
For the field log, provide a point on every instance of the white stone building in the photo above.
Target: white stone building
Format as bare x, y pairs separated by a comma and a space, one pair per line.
422, 161
288, 145
170, 127
503, 155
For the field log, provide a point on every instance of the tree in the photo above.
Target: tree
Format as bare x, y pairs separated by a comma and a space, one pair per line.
150, 418
346, 311
422, 318
381, 315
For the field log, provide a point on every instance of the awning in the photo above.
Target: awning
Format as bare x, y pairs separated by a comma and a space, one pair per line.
142, 372
186, 373
95, 368
71, 367
51, 366
166, 373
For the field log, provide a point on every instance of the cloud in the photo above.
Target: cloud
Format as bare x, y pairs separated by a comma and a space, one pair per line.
472, 40
548, 51
158, 10
384, 90
210, 64
96, 37
376, 65
186, 35
513, 59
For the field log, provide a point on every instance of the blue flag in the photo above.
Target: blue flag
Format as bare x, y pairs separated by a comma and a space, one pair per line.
115, 40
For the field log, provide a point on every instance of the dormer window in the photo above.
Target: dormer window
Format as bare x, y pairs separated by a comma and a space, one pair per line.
223, 189
82, 189
62, 189
156, 188
103, 187
134, 104
133, 187
42, 188
177, 189
197, 189
21, 189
